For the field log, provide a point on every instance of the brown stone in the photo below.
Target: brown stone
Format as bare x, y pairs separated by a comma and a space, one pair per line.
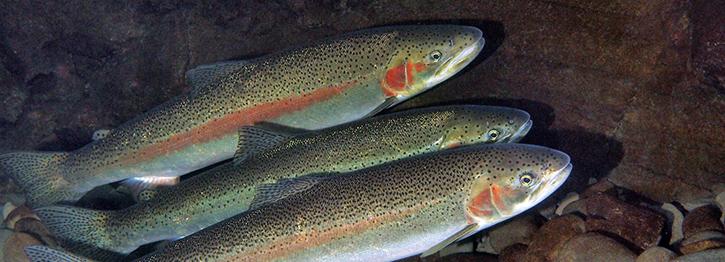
517, 230
656, 254
702, 241
17, 214
702, 245
36, 228
602, 186
468, 257
513, 253
638, 225
710, 255
545, 244
578, 206
704, 218
592, 247
14, 249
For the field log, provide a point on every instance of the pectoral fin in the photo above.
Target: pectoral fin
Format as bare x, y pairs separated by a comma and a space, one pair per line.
453, 238
390, 101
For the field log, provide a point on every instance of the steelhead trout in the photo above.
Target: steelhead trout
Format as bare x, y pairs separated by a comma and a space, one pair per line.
229, 189
327, 83
383, 213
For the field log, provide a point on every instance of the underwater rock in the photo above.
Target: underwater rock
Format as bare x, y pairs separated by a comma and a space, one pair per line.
590, 247
517, 230
547, 209
14, 248
513, 253
484, 244
712, 255
638, 225
579, 206
4, 236
17, 214
704, 218
675, 219
467, 257
702, 241
7, 209
545, 244
602, 186
720, 200
656, 254
36, 228
569, 199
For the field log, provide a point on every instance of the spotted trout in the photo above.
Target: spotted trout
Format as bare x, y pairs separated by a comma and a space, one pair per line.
382, 213
229, 189
323, 84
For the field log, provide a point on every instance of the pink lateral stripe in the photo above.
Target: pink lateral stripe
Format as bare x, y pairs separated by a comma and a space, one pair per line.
233, 121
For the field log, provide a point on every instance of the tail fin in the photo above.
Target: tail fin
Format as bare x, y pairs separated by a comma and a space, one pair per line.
39, 175
82, 231
38, 253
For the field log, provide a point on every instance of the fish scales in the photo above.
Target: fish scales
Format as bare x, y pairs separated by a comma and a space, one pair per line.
327, 83
230, 188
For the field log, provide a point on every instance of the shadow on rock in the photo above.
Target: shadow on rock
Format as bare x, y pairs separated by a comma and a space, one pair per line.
594, 155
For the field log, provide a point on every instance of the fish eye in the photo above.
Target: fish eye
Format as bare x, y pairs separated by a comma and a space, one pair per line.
493, 134
435, 56
526, 179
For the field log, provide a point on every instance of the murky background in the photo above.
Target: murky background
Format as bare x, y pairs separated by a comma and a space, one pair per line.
632, 90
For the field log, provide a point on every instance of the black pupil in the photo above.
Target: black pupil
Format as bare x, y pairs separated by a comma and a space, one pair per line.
493, 135
527, 180
435, 56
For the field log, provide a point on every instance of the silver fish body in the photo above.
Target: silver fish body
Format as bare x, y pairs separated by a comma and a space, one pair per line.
230, 189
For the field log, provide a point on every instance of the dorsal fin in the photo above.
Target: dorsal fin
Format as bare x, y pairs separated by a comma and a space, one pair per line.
260, 137
269, 193
204, 75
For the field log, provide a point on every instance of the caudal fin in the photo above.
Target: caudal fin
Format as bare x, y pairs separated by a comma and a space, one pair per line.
38, 253
82, 231
39, 175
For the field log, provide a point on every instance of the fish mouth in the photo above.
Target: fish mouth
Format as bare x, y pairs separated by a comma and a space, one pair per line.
454, 64
553, 181
558, 178
523, 130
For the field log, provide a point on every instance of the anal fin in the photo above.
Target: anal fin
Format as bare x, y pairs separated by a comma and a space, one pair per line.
390, 101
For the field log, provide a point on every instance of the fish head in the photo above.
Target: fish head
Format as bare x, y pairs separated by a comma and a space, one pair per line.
485, 124
424, 56
514, 178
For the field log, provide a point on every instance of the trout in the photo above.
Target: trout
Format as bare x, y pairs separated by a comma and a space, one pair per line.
323, 84
229, 189
383, 213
